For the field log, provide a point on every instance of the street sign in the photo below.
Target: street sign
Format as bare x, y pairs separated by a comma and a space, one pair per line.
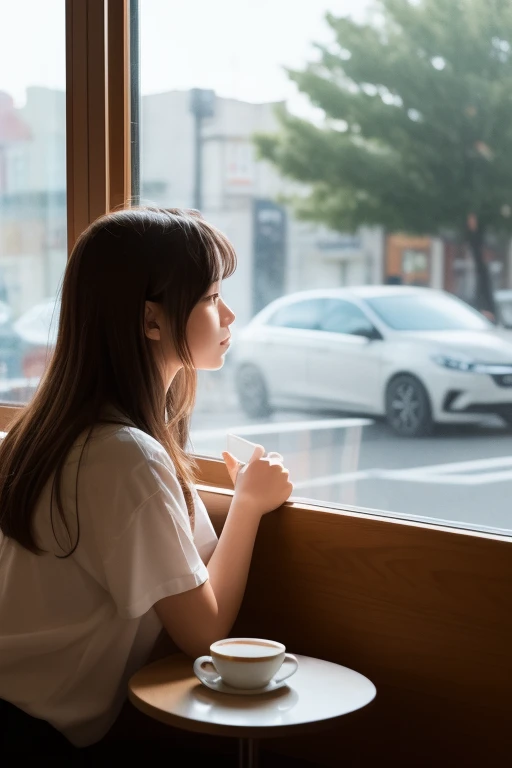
202, 102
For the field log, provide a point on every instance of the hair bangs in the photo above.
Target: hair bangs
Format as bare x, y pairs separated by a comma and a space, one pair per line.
220, 254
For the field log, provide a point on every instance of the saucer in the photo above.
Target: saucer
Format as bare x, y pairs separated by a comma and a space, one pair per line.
217, 684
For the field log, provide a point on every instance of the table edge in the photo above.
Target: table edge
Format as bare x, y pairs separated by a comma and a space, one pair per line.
241, 731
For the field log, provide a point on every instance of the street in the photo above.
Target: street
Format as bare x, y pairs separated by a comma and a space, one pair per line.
460, 476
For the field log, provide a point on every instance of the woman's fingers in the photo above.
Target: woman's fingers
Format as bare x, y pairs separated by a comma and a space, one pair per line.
232, 465
258, 453
275, 458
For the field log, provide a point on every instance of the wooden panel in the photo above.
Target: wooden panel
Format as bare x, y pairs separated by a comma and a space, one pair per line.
86, 114
98, 114
97, 108
118, 104
423, 612
7, 413
212, 472
77, 140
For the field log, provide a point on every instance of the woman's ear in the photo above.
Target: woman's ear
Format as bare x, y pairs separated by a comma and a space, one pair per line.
152, 321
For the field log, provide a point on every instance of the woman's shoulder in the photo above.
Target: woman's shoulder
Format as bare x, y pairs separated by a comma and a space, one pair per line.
128, 446
126, 467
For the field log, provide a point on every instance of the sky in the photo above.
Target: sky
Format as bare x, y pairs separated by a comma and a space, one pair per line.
236, 47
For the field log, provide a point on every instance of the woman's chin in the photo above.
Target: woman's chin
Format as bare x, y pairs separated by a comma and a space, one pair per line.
213, 366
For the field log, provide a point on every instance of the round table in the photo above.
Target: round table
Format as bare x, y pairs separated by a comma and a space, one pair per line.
318, 694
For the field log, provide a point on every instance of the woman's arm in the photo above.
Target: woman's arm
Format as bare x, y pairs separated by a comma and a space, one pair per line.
196, 618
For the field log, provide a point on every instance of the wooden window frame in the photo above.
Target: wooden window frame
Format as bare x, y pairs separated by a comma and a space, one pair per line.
98, 110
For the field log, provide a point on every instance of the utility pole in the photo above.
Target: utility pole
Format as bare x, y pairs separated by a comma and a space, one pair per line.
202, 105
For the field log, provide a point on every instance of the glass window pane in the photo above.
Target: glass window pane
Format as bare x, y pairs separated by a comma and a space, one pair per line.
427, 312
32, 189
302, 314
292, 127
345, 317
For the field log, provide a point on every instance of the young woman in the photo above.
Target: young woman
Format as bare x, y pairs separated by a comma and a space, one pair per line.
104, 539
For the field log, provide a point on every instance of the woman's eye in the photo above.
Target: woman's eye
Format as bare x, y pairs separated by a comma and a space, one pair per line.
214, 297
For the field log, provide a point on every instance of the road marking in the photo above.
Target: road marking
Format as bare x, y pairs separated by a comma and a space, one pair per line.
347, 477
473, 472
464, 466
435, 474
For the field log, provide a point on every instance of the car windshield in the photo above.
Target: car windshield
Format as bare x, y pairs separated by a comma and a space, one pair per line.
428, 312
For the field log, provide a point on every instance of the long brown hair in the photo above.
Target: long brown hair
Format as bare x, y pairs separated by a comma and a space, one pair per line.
103, 357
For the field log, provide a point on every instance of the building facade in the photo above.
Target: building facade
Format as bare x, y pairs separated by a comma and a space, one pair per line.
242, 195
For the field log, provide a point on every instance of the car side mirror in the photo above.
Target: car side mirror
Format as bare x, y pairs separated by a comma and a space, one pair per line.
371, 334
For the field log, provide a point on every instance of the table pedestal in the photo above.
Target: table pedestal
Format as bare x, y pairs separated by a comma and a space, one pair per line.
248, 753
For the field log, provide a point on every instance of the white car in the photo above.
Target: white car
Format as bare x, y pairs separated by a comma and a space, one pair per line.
503, 299
414, 355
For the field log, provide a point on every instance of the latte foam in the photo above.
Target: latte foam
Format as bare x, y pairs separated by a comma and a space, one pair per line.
244, 649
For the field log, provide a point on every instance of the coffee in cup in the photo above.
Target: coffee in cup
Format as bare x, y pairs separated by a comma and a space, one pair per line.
247, 662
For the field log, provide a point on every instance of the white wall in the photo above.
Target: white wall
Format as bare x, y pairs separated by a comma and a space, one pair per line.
167, 149
45, 114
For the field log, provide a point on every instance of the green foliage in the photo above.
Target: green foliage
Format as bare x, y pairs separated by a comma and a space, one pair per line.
417, 119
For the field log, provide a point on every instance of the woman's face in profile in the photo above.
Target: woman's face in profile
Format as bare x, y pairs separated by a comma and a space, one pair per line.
208, 331
208, 334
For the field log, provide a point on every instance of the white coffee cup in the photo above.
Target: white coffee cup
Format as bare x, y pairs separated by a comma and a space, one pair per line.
246, 662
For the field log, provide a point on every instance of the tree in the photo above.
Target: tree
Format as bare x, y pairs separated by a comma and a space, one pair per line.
416, 124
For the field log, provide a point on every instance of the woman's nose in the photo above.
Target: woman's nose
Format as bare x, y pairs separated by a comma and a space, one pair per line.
229, 315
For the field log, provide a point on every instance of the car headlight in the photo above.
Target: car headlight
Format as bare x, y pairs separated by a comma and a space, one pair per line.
455, 363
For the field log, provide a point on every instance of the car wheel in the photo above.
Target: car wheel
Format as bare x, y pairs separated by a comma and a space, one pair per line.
408, 409
252, 392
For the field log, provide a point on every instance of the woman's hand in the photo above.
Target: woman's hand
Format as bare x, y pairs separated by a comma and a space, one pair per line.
262, 484
232, 465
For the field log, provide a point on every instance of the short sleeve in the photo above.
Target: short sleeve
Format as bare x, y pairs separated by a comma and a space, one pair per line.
155, 556
205, 537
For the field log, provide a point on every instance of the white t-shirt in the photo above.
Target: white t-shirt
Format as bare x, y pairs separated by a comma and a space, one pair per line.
73, 631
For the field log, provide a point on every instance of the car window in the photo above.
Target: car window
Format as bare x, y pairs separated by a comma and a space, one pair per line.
306, 314
428, 312
345, 317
